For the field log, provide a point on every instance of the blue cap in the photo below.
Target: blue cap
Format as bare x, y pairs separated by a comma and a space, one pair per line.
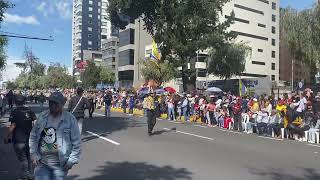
57, 97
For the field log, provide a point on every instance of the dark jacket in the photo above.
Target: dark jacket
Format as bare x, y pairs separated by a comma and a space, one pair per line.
79, 111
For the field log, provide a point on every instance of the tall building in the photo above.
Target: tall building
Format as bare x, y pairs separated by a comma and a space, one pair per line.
257, 25
90, 28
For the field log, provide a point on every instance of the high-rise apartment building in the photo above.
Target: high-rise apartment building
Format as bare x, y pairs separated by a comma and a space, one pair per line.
91, 27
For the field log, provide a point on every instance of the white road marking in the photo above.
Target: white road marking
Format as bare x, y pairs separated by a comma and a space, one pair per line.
98, 114
270, 138
313, 145
104, 138
234, 132
200, 126
195, 135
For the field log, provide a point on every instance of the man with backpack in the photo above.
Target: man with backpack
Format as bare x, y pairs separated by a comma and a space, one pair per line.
77, 105
21, 119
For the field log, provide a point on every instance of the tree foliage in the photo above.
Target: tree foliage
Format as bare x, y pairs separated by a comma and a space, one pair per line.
106, 75
229, 60
159, 72
4, 5
301, 31
183, 27
91, 76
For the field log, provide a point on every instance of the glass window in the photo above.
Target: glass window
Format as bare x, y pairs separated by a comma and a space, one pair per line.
273, 42
99, 3
90, 8
90, 2
274, 6
273, 30
98, 16
99, 10
90, 15
126, 57
89, 35
89, 28
273, 78
260, 50
89, 43
273, 66
273, 18
90, 21
273, 54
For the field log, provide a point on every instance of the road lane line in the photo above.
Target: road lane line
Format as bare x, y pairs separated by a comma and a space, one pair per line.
234, 132
200, 126
98, 114
270, 138
190, 134
104, 138
313, 145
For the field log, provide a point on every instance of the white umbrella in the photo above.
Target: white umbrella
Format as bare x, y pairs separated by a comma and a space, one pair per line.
214, 89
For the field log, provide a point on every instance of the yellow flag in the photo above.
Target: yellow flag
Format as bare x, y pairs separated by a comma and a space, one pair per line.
155, 51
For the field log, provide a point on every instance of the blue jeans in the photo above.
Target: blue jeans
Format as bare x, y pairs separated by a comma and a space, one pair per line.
171, 113
185, 114
107, 111
43, 172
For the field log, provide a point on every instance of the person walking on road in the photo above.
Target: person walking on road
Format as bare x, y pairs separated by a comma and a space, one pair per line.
21, 119
77, 106
10, 97
42, 100
55, 141
148, 104
107, 101
91, 100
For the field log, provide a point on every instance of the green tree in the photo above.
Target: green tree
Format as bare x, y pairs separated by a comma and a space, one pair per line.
106, 75
39, 69
183, 27
228, 60
301, 31
4, 5
91, 76
57, 76
160, 72
12, 85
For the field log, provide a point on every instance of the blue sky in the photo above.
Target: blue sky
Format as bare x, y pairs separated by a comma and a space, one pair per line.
44, 18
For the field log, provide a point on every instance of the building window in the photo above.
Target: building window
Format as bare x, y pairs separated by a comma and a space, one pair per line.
90, 21
264, 1
273, 18
251, 35
238, 19
273, 78
98, 16
261, 25
89, 43
260, 50
89, 35
90, 15
90, 8
273, 66
89, 28
274, 6
248, 9
104, 37
90, 2
99, 4
273, 30
258, 63
99, 11
273, 54
273, 42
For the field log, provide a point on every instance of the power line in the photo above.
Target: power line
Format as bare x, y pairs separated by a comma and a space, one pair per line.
25, 37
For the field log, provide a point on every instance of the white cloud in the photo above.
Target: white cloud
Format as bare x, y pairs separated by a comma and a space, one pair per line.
11, 71
62, 7
16, 19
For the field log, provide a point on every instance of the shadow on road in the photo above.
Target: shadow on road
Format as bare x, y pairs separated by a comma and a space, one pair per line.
105, 127
278, 174
137, 171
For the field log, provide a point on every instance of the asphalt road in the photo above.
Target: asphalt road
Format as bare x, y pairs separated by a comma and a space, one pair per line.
119, 148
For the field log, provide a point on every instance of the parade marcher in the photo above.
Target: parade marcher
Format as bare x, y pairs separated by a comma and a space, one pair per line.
10, 97
131, 104
148, 104
77, 105
42, 100
55, 141
108, 102
21, 119
237, 110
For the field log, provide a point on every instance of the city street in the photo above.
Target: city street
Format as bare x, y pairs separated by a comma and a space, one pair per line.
119, 148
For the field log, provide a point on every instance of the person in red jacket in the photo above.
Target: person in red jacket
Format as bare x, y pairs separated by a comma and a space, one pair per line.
237, 110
